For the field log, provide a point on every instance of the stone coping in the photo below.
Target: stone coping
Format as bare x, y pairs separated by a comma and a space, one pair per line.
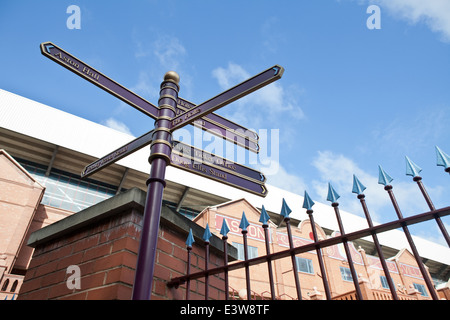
132, 199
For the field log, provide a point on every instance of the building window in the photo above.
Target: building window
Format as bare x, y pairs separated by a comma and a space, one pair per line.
304, 265
384, 282
67, 191
421, 289
5, 285
252, 251
14, 286
346, 274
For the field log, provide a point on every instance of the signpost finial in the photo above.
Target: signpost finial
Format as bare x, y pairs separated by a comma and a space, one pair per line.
172, 76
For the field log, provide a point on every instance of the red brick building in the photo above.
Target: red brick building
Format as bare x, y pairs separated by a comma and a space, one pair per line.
403, 267
40, 184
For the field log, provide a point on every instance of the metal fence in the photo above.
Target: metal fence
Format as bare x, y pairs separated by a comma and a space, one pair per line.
373, 230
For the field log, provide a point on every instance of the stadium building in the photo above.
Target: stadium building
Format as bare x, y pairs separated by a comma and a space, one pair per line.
43, 150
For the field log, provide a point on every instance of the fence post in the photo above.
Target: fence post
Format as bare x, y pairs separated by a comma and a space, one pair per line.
264, 218
189, 242
307, 204
224, 232
359, 188
206, 235
413, 170
285, 211
243, 225
385, 179
333, 196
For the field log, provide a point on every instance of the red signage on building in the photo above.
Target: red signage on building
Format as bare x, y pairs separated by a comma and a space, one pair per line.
254, 231
410, 271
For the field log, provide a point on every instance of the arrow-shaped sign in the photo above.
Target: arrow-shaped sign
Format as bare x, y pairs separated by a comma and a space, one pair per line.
118, 154
203, 157
227, 97
220, 175
214, 123
222, 127
85, 71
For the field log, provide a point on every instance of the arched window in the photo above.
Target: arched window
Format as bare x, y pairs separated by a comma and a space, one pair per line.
14, 286
5, 285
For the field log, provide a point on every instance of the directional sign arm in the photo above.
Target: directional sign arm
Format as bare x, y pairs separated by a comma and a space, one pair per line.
118, 154
201, 156
222, 127
217, 174
85, 71
227, 97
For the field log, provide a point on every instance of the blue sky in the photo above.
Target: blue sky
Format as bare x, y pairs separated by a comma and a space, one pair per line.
351, 98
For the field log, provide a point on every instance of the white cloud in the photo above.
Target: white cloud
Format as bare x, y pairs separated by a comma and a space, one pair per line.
230, 76
117, 125
413, 131
273, 36
435, 13
339, 169
166, 48
284, 180
157, 56
144, 87
169, 51
276, 101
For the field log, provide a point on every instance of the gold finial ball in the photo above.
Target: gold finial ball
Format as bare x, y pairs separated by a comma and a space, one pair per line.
173, 76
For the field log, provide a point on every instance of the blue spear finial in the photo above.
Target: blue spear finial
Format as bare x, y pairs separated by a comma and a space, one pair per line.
224, 230
383, 177
307, 202
190, 239
412, 169
285, 210
358, 187
207, 234
332, 194
244, 222
443, 159
264, 217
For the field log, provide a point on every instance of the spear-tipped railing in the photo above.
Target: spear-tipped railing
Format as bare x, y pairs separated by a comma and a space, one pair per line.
358, 188
333, 196
385, 180
413, 170
307, 204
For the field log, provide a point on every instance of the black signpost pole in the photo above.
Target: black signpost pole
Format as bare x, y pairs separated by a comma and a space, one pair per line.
159, 159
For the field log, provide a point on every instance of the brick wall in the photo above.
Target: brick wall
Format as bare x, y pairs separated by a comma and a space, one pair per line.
103, 242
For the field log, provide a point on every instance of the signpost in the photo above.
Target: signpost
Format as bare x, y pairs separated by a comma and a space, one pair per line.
214, 123
173, 113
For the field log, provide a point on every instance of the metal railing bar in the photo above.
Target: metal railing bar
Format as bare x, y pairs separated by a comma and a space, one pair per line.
320, 244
